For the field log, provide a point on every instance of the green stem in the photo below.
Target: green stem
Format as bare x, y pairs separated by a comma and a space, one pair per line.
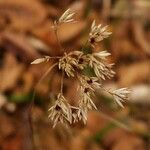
84, 45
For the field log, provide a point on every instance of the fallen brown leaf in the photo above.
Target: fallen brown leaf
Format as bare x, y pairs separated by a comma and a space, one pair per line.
129, 142
134, 73
10, 72
70, 30
18, 44
24, 14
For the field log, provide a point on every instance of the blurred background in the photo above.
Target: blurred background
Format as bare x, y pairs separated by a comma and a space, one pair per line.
26, 34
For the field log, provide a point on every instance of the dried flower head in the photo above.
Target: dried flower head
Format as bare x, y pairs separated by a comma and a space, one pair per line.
66, 17
102, 55
121, 95
85, 104
101, 69
98, 33
82, 114
73, 64
86, 100
67, 63
41, 60
60, 111
91, 83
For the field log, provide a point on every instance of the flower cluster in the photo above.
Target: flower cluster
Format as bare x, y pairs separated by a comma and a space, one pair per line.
98, 33
60, 111
121, 95
66, 17
67, 63
72, 64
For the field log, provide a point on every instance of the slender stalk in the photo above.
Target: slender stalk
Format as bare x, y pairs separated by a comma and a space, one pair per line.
57, 36
116, 122
113, 94
84, 45
41, 79
62, 82
29, 110
45, 74
56, 33
107, 90
55, 57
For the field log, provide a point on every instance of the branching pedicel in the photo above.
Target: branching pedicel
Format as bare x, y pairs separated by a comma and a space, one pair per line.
72, 65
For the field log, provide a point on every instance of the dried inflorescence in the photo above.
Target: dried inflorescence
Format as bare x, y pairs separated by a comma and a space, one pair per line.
121, 95
60, 111
67, 16
98, 33
72, 64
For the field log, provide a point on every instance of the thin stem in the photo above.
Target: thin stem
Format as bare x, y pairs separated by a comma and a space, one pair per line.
84, 45
56, 34
45, 74
107, 90
62, 82
112, 94
29, 110
116, 122
54, 57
